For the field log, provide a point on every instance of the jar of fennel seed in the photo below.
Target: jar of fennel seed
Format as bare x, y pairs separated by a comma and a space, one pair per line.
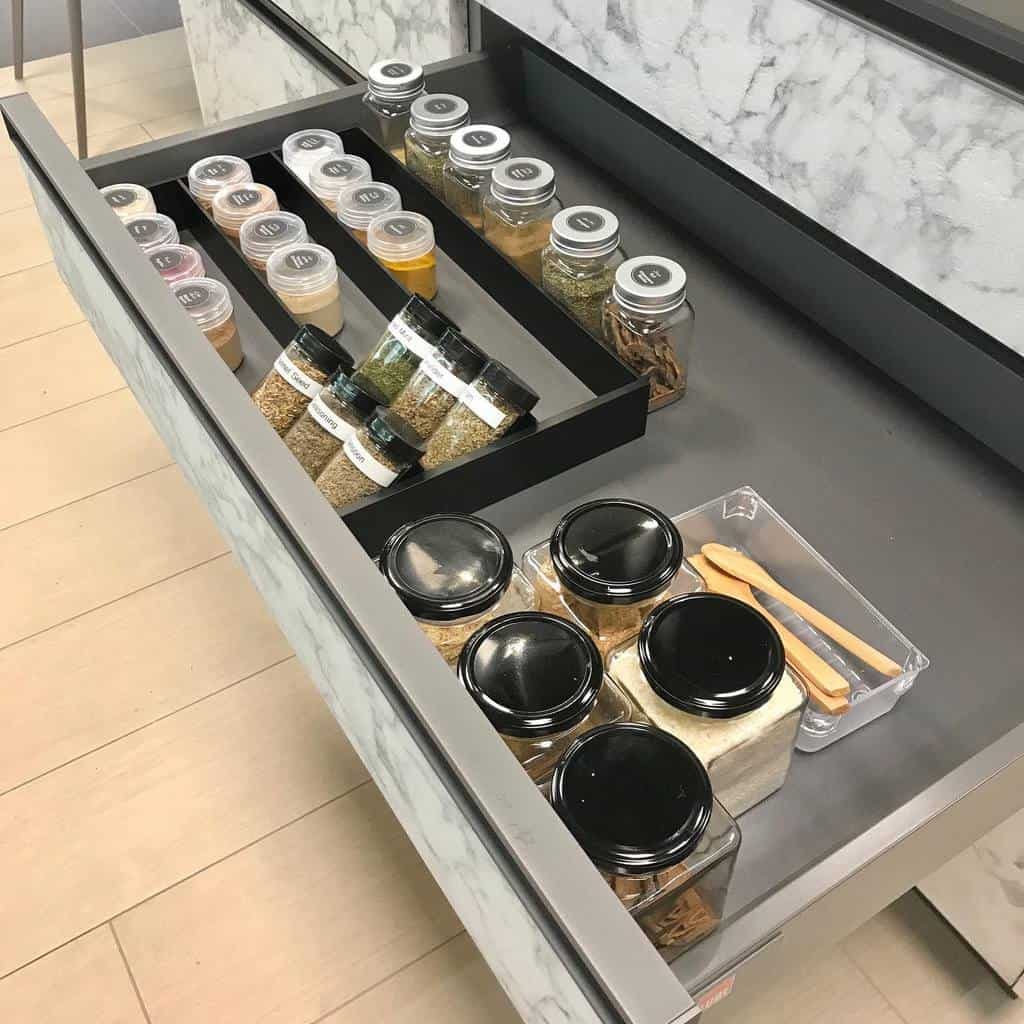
298, 375
391, 87
485, 411
474, 151
432, 120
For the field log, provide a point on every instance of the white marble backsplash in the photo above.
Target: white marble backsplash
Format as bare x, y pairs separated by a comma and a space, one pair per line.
918, 166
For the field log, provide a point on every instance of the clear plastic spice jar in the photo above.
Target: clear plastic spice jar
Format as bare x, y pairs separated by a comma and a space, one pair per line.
438, 383
607, 565
305, 278
391, 87
208, 176
648, 324
177, 263
235, 204
262, 235
412, 334
126, 200
329, 420
373, 458
518, 211
432, 120
404, 243
541, 682
209, 305
302, 149
298, 375
640, 804
579, 263
485, 411
151, 230
358, 205
711, 670
330, 175
473, 152
455, 573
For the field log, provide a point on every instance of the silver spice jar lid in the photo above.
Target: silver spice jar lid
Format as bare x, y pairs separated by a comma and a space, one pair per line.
479, 146
395, 79
585, 231
523, 179
438, 113
650, 284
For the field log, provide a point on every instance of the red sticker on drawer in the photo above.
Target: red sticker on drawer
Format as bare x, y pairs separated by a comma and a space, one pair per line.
714, 995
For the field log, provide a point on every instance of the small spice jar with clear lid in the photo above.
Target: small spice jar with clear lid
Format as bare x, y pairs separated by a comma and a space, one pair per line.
177, 263
455, 573
473, 152
358, 205
305, 278
262, 235
607, 565
648, 324
518, 211
208, 176
411, 336
235, 204
302, 149
640, 804
373, 458
209, 305
432, 120
298, 375
391, 87
485, 411
151, 230
332, 174
578, 265
404, 243
126, 200
330, 419
712, 671
541, 682
438, 383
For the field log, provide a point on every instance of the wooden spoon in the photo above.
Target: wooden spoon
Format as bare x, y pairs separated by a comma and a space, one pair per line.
737, 564
827, 688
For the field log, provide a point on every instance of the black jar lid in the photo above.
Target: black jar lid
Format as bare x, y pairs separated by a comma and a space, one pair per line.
465, 358
505, 384
428, 317
323, 350
362, 396
711, 655
532, 674
447, 566
616, 551
636, 798
394, 436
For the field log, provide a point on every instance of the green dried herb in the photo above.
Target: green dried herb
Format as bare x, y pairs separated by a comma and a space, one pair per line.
582, 294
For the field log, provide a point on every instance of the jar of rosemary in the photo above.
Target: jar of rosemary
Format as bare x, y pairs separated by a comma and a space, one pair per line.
391, 87
474, 151
432, 120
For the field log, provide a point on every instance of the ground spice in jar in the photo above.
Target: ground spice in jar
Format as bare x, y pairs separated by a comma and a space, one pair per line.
357, 205
151, 230
302, 149
126, 200
176, 262
487, 410
330, 175
262, 235
209, 305
208, 176
305, 278
404, 243
235, 204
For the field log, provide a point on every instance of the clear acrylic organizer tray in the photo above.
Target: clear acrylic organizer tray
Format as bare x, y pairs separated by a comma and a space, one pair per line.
742, 519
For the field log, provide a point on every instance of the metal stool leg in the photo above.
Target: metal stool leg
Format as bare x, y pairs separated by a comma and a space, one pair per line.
78, 73
18, 32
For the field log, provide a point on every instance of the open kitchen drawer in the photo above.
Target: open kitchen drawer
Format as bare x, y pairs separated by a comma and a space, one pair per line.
912, 511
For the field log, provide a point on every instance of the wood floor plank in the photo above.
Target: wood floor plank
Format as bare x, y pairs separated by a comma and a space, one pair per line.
84, 555
34, 302
290, 928
92, 839
84, 982
24, 244
14, 193
90, 681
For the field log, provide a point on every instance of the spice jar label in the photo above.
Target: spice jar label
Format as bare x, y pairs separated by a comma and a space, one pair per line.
650, 275
479, 137
243, 197
119, 197
302, 382
303, 259
409, 338
336, 168
439, 375
215, 169
369, 196
400, 227
586, 220
396, 70
333, 424
364, 461
312, 142
166, 261
440, 105
143, 230
195, 295
272, 227
482, 407
522, 172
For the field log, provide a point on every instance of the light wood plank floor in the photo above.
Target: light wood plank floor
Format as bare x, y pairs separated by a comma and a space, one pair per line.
185, 835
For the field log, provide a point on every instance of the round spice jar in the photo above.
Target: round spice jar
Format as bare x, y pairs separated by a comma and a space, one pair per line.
305, 278
304, 148
329, 420
438, 383
391, 87
412, 334
485, 411
208, 176
711, 670
473, 152
454, 573
298, 375
209, 305
432, 120
235, 204
126, 200
607, 565
151, 230
263, 234
331, 174
373, 458
177, 262
640, 804
541, 682
359, 204
404, 244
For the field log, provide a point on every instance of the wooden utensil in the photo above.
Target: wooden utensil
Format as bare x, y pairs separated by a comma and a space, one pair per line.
827, 688
737, 564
